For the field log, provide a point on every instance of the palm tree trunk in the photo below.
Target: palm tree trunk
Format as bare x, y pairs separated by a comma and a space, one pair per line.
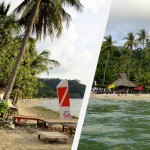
105, 68
142, 56
141, 59
129, 68
21, 51
125, 67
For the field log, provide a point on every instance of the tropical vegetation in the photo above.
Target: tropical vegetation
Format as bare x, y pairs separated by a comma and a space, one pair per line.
39, 17
20, 62
47, 88
131, 58
48, 21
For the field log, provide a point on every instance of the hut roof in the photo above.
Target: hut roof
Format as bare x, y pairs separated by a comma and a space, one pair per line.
123, 81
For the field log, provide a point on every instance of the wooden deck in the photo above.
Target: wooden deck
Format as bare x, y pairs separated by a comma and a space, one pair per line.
52, 122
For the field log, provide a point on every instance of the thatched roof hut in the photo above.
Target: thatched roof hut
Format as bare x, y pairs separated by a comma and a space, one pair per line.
122, 81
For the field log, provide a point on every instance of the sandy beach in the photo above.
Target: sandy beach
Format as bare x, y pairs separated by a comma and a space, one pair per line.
30, 107
121, 97
26, 138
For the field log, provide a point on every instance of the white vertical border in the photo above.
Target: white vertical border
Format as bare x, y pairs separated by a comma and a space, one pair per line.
100, 34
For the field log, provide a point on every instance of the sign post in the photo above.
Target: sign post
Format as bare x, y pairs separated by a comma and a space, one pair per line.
64, 99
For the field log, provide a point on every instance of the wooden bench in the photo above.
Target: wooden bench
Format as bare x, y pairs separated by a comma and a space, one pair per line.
18, 118
52, 135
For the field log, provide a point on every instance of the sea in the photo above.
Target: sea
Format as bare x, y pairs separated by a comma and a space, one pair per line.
75, 106
116, 125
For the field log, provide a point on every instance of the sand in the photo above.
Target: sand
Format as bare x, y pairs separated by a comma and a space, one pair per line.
30, 107
121, 97
26, 138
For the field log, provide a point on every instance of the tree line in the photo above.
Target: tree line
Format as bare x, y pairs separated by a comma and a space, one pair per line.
132, 58
47, 88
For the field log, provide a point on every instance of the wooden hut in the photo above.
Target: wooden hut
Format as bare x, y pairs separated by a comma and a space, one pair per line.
122, 83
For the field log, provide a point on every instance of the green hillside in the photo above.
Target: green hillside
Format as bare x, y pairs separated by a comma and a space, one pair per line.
47, 88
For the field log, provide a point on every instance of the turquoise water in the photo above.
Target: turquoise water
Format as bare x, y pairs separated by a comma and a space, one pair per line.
116, 125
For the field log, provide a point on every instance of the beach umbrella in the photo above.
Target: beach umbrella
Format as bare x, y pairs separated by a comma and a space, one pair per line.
139, 88
64, 99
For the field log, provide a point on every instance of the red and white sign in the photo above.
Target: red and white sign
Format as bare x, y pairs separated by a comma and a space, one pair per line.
64, 99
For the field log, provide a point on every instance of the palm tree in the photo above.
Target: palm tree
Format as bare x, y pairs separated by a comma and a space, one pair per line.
142, 39
36, 62
42, 63
117, 69
108, 47
7, 24
125, 59
130, 44
4, 9
136, 69
33, 64
101, 63
41, 17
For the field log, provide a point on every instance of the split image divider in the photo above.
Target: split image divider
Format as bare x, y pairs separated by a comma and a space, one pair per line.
102, 18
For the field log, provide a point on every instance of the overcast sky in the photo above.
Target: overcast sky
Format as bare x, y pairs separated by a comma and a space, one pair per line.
128, 16
78, 48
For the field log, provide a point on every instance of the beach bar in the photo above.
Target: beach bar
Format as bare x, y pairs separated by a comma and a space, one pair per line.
122, 83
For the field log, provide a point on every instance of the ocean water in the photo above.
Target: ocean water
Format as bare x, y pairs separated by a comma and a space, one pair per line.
116, 125
75, 106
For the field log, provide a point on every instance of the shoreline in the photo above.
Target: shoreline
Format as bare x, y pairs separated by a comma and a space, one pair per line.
120, 96
75, 105
31, 107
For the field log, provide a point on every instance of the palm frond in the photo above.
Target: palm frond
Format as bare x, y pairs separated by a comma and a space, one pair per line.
50, 17
74, 3
4, 9
21, 7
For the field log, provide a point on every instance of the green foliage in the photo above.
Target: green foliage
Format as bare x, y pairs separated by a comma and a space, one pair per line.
3, 106
51, 17
48, 88
49, 20
33, 63
119, 62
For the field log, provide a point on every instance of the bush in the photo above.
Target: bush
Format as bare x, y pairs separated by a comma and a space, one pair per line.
3, 106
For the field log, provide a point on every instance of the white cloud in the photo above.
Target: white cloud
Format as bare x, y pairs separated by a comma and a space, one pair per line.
70, 50
90, 5
130, 9
14, 4
128, 16
77, 49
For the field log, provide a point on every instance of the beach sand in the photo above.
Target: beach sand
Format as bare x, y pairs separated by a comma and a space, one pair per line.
26, 138
121, 97
30, 107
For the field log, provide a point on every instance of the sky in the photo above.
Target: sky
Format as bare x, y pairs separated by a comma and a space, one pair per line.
127, 16
78, 48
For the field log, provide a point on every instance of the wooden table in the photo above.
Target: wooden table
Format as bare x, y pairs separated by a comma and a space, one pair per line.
52, 135
17, 119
